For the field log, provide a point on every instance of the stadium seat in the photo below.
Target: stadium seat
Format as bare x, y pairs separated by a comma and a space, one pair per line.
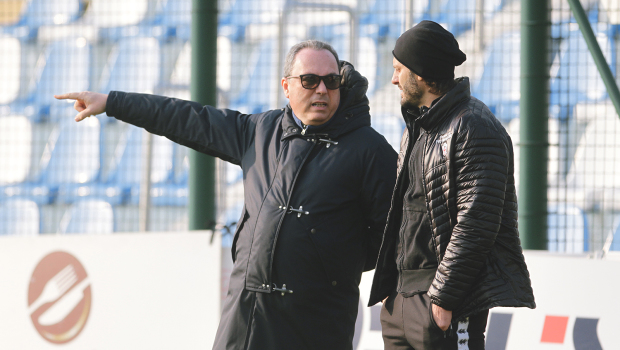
556, 163
391, 127
63, 66
19, 217
71, 158
127, 175
242, 13
179, 85
133, 66
499, 85
37, 13
615, 243
261, 71
385, 17
459, 15
88, 217
173, 19
15, 149
10, 69
596, 166
574, 76
567, 229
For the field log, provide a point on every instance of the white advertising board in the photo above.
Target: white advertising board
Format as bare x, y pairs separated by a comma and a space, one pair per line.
578, 303
120, 291
163, 291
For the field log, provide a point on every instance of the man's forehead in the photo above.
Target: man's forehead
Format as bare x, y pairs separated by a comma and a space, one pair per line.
309, 57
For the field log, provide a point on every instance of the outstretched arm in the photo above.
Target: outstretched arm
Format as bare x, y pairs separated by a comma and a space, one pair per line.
86, 103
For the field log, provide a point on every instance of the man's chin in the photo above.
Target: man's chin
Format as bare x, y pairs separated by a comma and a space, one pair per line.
317, 120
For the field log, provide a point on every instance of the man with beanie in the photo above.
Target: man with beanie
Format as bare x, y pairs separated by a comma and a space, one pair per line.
451, 248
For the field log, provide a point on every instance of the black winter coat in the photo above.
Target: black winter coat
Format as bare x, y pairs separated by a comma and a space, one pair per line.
468, 180
338, 176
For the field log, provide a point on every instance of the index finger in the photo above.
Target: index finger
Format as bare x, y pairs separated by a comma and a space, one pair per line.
68, 96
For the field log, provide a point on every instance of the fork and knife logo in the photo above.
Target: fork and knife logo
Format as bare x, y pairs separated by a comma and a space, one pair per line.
59, 297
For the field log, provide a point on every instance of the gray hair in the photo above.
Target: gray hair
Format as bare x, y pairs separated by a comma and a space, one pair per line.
308, 44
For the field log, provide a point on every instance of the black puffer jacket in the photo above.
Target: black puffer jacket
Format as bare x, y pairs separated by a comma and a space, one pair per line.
341, 173
468, 179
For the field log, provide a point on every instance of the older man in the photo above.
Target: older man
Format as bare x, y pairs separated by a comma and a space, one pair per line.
451, 249
317, 189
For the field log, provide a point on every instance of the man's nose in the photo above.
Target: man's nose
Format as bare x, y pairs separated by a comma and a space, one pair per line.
395, 78
321, 89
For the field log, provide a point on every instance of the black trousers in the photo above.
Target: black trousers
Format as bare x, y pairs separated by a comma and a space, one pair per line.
408, 324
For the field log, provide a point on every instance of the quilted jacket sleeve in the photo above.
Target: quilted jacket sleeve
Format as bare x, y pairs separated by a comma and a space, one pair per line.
481, 165
221, 133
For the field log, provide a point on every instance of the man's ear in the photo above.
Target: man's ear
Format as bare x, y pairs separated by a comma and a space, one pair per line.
284, 83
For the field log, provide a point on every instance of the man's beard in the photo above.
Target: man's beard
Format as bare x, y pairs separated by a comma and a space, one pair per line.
412, 95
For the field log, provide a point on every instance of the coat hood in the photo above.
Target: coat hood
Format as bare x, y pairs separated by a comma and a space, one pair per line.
353, 111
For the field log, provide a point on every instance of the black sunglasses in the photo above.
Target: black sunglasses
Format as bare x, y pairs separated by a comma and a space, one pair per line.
312, 81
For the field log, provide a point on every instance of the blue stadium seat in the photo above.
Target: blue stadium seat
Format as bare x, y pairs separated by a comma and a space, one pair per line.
71, 159
261, 72
391, 127
575, 77
385, 17
499, 85
615, 243
596, 165
242, 13
88, 217
16, 141
64, 66
173, 19
567, 229
174, 191
124, 182
44, 12
10, 69
134, 66
459, 15
19, 217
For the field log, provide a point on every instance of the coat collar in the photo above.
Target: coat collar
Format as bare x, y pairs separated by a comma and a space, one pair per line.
429, 118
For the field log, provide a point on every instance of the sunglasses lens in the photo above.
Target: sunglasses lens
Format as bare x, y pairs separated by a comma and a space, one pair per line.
310, 81
332, 82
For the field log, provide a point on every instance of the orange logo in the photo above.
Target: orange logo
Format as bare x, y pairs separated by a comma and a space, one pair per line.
59, 297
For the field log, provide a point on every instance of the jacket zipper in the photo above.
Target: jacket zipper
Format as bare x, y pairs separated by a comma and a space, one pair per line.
275, 240
428, 211
401, 256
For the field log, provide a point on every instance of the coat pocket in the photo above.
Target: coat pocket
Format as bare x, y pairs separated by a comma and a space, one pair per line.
341, 251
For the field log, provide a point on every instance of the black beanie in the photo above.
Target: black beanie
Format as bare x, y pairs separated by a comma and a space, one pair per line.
429, 51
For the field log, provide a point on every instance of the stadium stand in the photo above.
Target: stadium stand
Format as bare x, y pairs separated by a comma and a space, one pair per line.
458, 16
574, 76
567, 229
37, 13
88, 217
596, 165
555, 163
15, 149
19, 217
63, 66
499, 85
10, 69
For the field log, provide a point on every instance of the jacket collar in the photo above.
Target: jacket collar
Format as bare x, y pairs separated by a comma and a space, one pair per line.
429, 118
353, 111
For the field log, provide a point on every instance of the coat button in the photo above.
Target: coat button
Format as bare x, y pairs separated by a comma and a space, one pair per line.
313, 231
334, 283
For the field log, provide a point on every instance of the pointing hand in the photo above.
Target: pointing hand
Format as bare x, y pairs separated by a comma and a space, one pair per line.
86, 103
